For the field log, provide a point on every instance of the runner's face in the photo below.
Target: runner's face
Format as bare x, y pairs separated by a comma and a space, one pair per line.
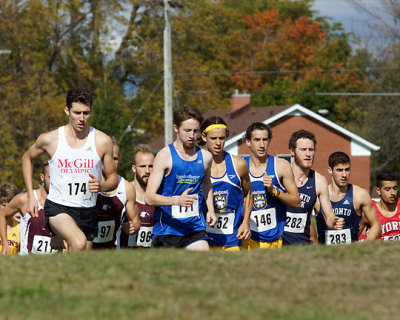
215, 141
143, 167
340, 174
79, 115
304, 153
259, 142
388, 191
188, 132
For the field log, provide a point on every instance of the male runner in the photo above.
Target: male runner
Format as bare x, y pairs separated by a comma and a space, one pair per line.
311, 185
9, 228
231, 189
34, 236
348, 201
142, 167
181, 189
273, 189
77, 153
112, 206
388, 208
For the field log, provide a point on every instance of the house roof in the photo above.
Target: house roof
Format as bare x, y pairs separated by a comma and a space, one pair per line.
276, 113
240, 120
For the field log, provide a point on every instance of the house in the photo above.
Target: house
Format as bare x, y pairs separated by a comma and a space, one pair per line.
284, 120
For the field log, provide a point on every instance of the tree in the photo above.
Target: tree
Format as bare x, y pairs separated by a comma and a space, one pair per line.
296, 55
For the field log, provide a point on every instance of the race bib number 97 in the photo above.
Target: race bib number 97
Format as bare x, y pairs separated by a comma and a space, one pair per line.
179, 212
337, 236
263, 220
224, 225
105, 232
76, 189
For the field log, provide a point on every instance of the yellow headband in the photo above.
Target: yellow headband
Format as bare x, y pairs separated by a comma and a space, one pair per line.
214, 126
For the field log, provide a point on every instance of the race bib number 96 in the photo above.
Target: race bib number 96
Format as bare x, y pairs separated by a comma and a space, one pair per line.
224, 225
179, 212
76, 189
263, 220
337, 236
142, 238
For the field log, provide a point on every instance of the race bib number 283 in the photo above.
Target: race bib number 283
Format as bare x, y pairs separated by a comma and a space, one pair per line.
337, 236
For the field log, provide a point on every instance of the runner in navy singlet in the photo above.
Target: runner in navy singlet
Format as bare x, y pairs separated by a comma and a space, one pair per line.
311, 186
350, 202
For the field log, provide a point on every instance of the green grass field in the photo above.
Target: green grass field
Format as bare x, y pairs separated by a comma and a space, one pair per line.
359, 281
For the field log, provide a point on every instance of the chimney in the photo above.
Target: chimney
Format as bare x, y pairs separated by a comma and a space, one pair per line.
239, 103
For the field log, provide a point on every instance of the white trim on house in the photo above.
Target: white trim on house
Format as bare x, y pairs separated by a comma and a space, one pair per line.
359, 146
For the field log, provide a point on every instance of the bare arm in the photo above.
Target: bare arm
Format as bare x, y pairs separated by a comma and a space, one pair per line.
243, 172
313, 235
41, 146
110, 180
363, 202
285, 173
131, 209
207, 189
17, 204
163, 164
331, 220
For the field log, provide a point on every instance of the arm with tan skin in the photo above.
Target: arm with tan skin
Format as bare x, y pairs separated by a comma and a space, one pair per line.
243, 172
104, 149
285, 173
332, 221
313, 235
133, 224
44, 144
363, 205
161, 166
17, 204
211, 219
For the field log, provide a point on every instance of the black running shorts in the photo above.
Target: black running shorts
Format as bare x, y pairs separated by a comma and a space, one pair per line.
173, 241
85, 218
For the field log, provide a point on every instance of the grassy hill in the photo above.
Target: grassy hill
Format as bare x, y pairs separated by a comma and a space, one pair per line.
359, 281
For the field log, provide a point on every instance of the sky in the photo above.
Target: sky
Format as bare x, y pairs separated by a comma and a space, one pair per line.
342, 11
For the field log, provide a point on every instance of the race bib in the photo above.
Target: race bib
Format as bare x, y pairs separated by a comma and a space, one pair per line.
295, 222
105, 232
142, 238
224, 225
392, 238
76, 189
179, 212
337, 236
263, 220
41, 245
